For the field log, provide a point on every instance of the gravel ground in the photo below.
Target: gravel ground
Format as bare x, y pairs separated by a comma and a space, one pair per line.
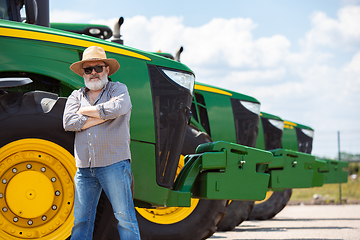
332, 222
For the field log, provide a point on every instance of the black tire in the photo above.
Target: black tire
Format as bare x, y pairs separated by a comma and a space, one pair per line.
200, 224
237, 212
203, 220
272, 206
33, 115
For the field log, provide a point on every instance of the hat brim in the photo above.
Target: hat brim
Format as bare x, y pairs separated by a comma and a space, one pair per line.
113, 64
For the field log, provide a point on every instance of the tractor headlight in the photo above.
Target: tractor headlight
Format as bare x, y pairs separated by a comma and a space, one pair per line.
94, 31
308, 132
277, 123
251, 106
185, 80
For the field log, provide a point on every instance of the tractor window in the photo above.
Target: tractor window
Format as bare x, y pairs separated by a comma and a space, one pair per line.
5, 12
10, 10
200, 99
199, 104
204, 119
193, 111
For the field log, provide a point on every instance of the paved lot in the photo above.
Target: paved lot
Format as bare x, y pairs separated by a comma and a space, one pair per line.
332, 222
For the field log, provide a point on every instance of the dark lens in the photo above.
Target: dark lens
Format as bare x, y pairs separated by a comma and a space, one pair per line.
98, 69
88, 70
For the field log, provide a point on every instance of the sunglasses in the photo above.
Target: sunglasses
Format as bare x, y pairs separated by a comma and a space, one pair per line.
98, 69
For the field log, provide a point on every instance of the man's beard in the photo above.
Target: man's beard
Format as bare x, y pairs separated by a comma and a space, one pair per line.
96, 85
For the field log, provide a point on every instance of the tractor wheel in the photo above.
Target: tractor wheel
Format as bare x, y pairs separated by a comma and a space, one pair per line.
36, 168
237, 212
271, 205
181, 223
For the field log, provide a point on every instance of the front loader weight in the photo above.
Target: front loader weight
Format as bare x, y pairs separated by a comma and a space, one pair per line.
225, 171
337, 172
290, 169
320, 169
332, 171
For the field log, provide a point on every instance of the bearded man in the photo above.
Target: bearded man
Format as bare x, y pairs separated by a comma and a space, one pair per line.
99, 114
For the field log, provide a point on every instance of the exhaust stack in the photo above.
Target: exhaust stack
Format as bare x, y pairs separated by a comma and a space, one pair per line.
116, 33
177, 56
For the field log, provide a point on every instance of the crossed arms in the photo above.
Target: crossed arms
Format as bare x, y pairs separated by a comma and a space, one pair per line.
93, 116
77, 118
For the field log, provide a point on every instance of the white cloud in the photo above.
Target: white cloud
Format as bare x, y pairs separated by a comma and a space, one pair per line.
69, 16
351, 81
354, 66
220, 42
109, 22
343, 32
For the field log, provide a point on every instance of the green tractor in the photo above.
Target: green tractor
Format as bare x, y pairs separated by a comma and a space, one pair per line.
276, 133
297, 137
220, 113
36, 154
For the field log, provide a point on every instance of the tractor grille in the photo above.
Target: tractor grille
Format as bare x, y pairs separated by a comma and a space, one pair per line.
246, 124
272, 135
171, 114
304, 142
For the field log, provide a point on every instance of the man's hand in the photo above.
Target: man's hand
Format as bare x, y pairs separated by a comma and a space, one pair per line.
92, 122
89, 111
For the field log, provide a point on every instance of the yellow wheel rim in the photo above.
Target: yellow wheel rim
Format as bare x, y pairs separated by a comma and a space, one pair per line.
268, 195
169, 215
36, 190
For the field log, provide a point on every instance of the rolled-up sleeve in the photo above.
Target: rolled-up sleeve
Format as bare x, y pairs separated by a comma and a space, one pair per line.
119, 104
71, 120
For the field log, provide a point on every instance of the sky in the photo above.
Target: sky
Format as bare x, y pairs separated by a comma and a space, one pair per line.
299, 58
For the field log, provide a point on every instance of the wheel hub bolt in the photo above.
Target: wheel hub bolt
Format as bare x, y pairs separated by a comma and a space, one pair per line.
14, 170
28, 166
44, 218
1, 195
16, 219
30, 222
4, 209
54, 207
43, 169
4, 181
57, 193
53, 179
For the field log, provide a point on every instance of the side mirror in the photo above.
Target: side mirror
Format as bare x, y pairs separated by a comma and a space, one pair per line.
31, 11
14, 82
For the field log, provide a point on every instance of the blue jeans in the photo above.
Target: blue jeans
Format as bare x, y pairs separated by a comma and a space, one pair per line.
116, 182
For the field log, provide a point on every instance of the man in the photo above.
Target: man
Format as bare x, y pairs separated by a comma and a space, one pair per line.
99, 114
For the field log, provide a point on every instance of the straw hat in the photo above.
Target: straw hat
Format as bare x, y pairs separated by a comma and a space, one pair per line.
92, 54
